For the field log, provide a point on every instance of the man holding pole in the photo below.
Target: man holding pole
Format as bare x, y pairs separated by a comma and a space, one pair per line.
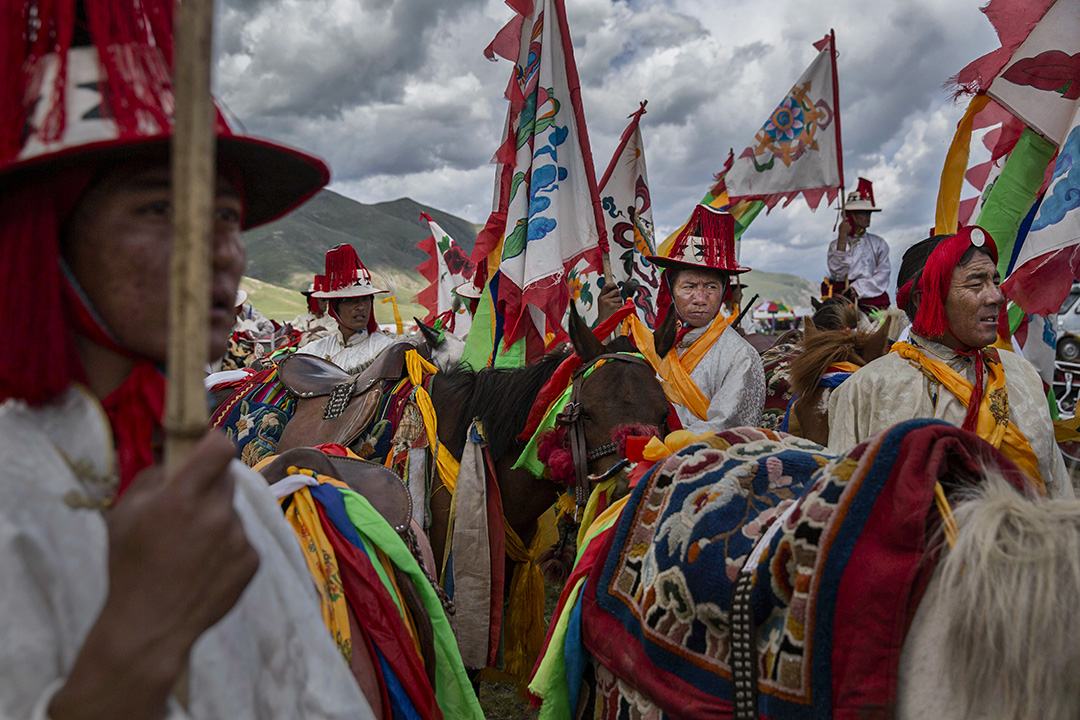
111, 567
859, 260
717, 375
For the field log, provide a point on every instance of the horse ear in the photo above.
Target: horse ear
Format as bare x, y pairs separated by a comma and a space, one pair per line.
664, 336
815, 303
585, 343
875, 344
430, 334
809, 328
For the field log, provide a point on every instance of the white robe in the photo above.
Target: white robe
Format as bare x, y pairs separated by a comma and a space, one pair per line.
269, 657
865, 264
732, 377
890, 390
357, 352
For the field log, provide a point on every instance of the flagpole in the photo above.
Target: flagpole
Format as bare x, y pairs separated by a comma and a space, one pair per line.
193, 197
574, 84
836, 113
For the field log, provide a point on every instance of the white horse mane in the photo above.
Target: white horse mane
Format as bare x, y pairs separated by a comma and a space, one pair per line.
1010, 590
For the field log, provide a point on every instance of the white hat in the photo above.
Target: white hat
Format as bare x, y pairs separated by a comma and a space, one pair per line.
345, 276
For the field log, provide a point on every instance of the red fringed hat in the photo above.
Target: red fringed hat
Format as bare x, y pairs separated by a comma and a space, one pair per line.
112, 97
345, 275
707, 241
936, 277
862, 199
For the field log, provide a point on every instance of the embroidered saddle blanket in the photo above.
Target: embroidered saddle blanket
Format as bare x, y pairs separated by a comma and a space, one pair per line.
833, 591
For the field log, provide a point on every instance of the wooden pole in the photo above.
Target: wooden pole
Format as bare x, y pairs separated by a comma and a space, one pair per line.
193, 178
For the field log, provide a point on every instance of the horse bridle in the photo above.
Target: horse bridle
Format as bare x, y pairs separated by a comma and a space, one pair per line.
573, 417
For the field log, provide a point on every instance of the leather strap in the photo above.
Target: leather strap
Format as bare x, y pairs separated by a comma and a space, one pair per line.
573, 418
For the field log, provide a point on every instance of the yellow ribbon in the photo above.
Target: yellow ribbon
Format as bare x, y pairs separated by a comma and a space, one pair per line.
952, 174
322, 564
674, 370
523, 624
445, 463
1002, 434
397, 315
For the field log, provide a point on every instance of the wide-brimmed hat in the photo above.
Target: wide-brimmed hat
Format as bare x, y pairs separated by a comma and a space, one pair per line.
345, 276
468, 290
241, 297
862, 198
707, 241
314, 286
66, 106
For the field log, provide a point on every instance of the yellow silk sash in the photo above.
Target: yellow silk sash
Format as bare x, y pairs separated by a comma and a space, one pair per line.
674, 370
446, 464
322, 564
993, 424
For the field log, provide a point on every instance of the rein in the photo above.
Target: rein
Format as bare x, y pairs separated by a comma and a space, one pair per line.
573, 419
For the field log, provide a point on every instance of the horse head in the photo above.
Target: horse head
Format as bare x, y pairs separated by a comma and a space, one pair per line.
445, 347
620, 391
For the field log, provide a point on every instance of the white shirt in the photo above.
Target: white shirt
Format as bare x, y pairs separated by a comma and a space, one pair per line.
732, 377
890, 390
312, 327
358, 352
865, 264
269, 657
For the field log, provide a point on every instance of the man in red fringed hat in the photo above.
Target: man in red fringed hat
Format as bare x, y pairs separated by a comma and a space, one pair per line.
715, 372
349, 292
125, 591
859, 260
948, 285
315, 323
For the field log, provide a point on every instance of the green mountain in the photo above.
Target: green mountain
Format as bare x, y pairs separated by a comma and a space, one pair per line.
779, 287
284, 255
290, 251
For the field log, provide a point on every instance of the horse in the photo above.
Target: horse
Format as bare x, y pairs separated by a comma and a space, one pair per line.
755, 574
828, 357
616, 394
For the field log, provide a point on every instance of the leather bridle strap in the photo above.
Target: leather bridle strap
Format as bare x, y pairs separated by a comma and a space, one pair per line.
573, 418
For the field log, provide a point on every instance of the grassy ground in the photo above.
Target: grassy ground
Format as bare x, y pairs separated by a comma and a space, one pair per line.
500, 701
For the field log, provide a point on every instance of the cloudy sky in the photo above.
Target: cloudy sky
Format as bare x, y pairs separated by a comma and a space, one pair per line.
398, 97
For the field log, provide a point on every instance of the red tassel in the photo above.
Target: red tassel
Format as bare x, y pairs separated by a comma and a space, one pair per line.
553, 452
38, 357
623, 432
342, 264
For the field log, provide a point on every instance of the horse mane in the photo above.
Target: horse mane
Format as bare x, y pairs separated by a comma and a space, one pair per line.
822, 349
1008, 588
500, 398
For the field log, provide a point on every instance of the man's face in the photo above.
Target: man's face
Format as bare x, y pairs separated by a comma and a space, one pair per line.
354, 312
118, 244
697, 295
973, 303
860, 219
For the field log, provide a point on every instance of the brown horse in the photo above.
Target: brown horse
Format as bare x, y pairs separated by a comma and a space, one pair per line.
821, 350
616, 393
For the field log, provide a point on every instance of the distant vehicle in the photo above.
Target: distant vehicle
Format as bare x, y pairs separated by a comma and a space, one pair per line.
1068, 327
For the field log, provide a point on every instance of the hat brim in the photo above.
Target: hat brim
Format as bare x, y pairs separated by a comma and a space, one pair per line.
348, 293
679, 264
276, 178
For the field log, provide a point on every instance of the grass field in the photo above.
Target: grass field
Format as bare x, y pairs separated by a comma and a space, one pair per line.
282, 304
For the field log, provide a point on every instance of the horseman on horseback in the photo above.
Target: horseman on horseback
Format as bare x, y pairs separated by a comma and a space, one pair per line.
948, 286
349, 292
718, 374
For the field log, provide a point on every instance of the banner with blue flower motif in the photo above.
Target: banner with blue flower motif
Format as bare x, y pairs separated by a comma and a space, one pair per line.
797, 150
547, 215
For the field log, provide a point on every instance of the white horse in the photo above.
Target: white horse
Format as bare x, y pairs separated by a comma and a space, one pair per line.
993, 637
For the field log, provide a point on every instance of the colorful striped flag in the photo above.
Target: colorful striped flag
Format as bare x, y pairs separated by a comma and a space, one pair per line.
446, 268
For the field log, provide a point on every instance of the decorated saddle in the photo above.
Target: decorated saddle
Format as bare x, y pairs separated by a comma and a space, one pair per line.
838, 559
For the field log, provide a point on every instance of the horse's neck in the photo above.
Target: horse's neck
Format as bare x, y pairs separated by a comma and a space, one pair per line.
923, 689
